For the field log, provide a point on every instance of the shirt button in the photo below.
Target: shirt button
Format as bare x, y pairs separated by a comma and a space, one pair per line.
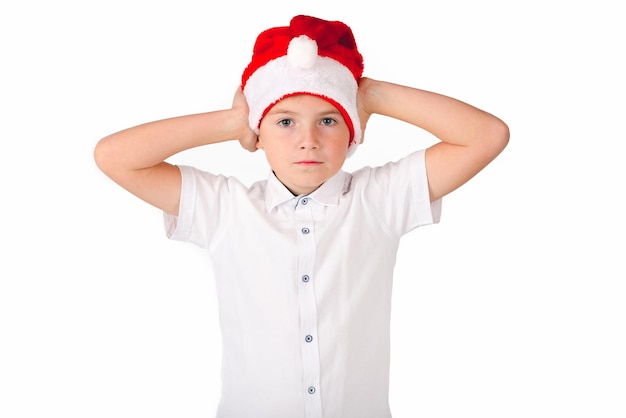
305, 200
305, 230
308, 338
306, 278
311, 390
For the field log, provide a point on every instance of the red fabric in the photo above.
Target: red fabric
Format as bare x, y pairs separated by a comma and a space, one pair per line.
334, 40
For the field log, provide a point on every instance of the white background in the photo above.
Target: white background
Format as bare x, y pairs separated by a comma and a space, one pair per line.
513, 306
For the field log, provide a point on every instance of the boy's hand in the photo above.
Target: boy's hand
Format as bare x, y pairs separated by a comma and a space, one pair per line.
248, 139
361, 102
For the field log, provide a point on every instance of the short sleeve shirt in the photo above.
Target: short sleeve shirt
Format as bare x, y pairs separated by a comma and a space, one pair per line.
304, 285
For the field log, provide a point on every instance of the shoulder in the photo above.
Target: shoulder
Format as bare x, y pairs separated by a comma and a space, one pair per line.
199, 178
408, 167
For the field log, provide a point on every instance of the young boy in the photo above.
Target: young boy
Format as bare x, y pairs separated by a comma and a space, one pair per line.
304, 260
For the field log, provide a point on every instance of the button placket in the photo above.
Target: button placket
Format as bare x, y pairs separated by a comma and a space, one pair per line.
308, 307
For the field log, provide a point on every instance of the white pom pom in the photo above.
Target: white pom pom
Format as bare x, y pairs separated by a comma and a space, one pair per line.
302, 52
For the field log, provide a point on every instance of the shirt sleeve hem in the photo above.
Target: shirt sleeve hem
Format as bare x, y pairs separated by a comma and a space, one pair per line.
179, 227
427, 212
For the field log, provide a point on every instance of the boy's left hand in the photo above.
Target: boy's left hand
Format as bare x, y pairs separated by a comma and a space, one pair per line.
364, 114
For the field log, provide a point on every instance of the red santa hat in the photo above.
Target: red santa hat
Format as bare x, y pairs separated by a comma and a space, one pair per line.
310, 56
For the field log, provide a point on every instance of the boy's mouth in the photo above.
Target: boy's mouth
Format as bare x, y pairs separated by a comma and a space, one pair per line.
308, 162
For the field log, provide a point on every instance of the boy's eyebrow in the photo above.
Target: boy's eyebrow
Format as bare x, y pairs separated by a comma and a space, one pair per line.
329, 111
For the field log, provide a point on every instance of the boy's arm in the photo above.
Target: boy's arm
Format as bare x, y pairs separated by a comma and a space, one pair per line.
470, 138
135, 157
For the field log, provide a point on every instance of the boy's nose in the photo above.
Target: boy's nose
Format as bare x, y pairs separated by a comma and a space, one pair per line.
308, 138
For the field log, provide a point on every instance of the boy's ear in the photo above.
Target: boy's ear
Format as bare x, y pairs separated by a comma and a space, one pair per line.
258, 144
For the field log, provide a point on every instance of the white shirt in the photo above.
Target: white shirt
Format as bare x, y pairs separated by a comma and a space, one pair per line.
304, 285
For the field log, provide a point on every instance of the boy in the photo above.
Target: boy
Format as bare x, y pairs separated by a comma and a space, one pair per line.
306, 324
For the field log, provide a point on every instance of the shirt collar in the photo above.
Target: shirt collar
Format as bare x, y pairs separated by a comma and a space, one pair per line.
327, 194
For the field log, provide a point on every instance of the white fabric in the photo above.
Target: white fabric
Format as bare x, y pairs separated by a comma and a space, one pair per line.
295, 348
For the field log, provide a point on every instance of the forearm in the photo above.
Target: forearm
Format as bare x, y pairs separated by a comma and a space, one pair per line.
449, 119
150, 144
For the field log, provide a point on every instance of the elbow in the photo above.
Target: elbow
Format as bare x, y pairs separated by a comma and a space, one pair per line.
498, 136
103, 156
504, 134
99, 155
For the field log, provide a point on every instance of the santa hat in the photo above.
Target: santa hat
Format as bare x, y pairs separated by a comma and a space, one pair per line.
310, 56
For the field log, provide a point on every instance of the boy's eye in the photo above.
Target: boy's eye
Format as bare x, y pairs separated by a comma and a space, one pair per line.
285, 122
328, 121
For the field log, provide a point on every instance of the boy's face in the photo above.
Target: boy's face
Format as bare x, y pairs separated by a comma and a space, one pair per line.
305, 140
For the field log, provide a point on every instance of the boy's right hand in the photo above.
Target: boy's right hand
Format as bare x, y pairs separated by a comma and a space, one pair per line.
248, 139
